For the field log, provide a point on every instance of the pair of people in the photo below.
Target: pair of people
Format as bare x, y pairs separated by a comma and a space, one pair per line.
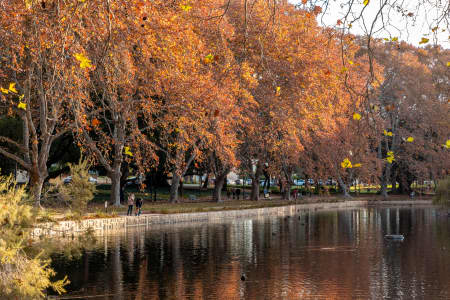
131, 202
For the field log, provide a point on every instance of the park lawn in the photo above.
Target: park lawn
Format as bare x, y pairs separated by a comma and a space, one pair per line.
97, 209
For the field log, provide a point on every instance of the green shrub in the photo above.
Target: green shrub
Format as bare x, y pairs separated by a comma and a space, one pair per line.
442, 196
79, 191
24, 273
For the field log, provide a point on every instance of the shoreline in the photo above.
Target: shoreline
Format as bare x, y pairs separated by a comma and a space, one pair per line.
106, 225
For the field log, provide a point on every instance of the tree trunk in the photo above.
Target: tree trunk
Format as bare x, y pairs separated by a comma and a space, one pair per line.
180, 188
343, 187
115, 187
394, 185
205, 184
36, 189
174, 188
255, 190
218, 186
287, 192
384, 180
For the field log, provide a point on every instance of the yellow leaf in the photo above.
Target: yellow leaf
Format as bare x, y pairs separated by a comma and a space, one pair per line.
4, 91
12, 87
278, 89
390, 157
84, 61
387, 133
374, 107
358, 165
394, 39
356, 116
447, 144
346, 164
28, 3
127, 151
386, 39
186, 7
21, 97
448, 64
344, 69
424, 41
350, 62
410, 139
209, 58
22, 105
366, 2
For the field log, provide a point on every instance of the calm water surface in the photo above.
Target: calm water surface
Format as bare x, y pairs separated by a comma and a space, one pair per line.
313, 255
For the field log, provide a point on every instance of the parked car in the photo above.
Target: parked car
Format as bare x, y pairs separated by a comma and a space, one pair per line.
299, 182
68, 179
132, 181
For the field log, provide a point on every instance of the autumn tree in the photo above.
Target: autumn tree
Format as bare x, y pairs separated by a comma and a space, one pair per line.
198, 87
119, 50
37, 80
412, 111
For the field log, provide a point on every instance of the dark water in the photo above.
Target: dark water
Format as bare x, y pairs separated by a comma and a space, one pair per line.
314, 255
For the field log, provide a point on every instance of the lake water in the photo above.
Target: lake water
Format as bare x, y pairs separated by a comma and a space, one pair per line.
313, 255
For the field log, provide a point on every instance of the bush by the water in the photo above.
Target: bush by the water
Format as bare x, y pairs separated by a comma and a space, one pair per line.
24, 272
78, 192
442, 196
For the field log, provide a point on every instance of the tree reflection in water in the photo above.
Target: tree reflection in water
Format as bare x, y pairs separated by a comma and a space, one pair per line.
313, 255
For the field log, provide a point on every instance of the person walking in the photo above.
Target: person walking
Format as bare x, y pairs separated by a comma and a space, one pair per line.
130, 204
139, 202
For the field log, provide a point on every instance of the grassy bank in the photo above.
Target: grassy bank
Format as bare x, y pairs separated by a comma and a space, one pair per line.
96, 209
